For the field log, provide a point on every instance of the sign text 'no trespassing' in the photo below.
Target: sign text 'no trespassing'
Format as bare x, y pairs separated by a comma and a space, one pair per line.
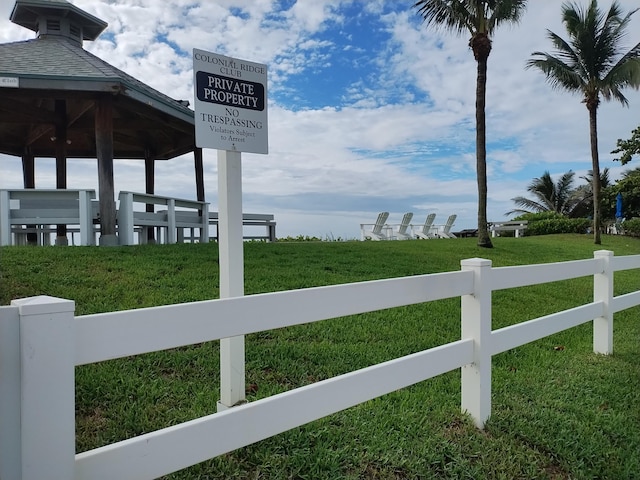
230, 103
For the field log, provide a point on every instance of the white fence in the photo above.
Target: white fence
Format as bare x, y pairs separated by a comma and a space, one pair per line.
41, 341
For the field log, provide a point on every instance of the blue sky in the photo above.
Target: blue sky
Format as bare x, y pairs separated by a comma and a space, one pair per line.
368, 110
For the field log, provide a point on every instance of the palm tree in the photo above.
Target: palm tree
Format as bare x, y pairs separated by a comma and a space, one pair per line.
583, 195
549, 196
591, 63
479, 18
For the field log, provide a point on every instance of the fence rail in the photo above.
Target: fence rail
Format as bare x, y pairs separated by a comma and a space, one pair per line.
106, 336
41, 341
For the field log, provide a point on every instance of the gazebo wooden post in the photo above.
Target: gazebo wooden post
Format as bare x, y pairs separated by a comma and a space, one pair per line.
28, 169
104, 155
199, 167
149, 178
60, 140
29, 181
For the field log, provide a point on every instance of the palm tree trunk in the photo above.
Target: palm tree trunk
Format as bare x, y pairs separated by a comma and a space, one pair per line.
481, 152
595, 185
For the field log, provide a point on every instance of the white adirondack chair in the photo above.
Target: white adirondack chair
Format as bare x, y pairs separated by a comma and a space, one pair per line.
402, 233
425, 232
446, 230
375, 231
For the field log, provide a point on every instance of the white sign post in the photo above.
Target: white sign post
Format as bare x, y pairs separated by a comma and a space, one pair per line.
231, 116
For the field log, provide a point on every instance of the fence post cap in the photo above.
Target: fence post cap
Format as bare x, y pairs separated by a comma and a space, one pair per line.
603, 253
43, 304
475, 262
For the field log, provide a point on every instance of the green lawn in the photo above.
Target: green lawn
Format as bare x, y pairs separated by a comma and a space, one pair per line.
559, 411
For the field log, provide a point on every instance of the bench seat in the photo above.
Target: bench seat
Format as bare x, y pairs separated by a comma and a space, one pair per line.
517, 226
32, 211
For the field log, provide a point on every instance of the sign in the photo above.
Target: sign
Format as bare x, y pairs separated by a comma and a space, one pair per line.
230, 103
10, 82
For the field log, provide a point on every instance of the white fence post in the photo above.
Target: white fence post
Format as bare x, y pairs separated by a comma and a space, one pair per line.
10, 467
603, 291
204, 230
476, 324
86, 217
5, 214
47, 350
125, 219
171, 221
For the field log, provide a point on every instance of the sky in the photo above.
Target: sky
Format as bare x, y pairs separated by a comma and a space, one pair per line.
368, 109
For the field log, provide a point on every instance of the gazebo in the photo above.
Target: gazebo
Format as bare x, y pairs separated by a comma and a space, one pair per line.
57, 100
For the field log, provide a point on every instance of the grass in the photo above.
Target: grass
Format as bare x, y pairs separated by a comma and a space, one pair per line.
559, 411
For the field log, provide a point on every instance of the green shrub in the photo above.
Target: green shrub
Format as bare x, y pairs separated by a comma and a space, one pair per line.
536, 217
300, 238
547, 223
632, 227
559, 225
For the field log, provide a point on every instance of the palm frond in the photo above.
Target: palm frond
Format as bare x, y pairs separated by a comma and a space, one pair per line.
626, 72
473, 16
549, 196
605, 178
529, 206
559, 74
506, 12
452, 15
591, 60
517, 211
563, 48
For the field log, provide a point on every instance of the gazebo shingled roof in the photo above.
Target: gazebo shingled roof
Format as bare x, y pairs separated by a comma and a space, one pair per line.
28, 12
71, 104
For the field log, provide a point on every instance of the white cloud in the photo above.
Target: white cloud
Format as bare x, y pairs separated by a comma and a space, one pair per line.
400, 133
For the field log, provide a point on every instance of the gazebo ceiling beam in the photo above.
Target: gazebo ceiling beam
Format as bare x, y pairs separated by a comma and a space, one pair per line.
122, 125
22, 110
38, 131
18, 112
77, 111
174, 152
159, 121
14, 138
